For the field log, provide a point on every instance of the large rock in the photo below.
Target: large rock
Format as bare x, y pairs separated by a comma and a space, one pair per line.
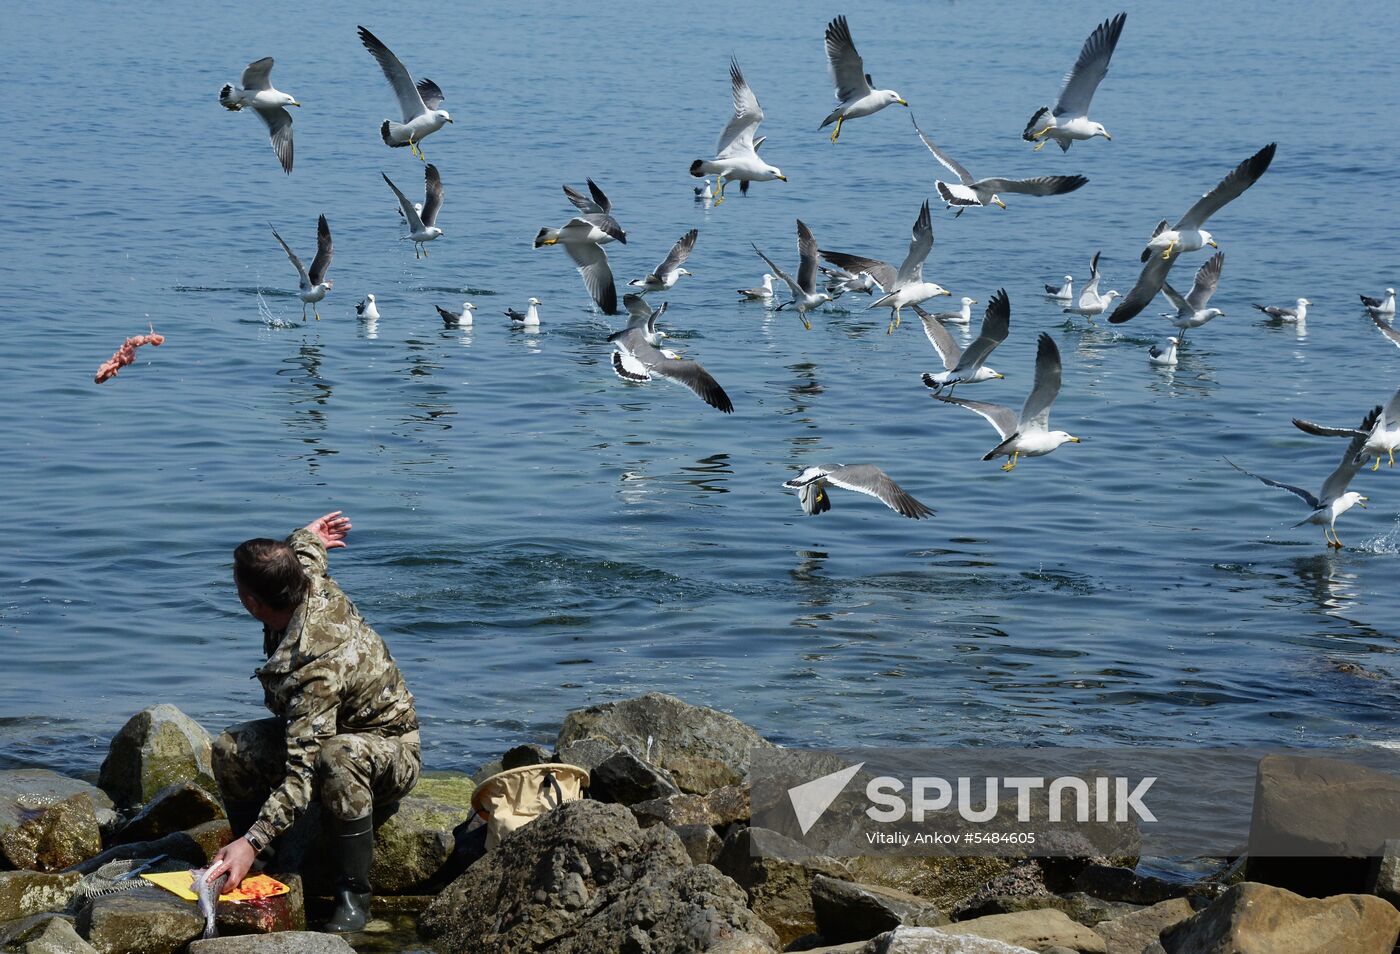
291, 942
177, 807
624, 779
139, 921
847, 911
586, 878
718, 809
53, 935
157, 747
701, 843
1134, 933
196, 847
1384, 879
586, 753
702, 749
23, 893
1317, 822
1078, 906
1036, 930
927, 940
776, 874
48, 833
1254, 918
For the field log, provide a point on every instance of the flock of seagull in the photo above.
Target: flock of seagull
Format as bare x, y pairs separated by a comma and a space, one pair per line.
822, 276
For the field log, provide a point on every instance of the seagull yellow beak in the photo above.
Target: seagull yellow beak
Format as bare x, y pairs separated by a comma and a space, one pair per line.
295, 103
1107, 136
1075, 440
784, 178
451, 120
1000, 376
944, 292
1212, 244
997, 200
902, 102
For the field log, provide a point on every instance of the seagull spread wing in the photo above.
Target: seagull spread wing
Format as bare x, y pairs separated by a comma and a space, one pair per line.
410, 102
847, 69
1231, 187
1091, 67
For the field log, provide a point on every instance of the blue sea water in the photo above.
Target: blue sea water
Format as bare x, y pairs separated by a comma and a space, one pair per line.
533, 535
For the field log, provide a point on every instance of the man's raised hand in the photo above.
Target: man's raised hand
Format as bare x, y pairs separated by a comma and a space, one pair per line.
331, 528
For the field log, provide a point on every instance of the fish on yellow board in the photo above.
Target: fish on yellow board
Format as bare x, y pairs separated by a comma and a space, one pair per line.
253, 888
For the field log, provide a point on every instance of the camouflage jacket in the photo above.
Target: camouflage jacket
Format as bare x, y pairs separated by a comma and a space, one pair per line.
327, 674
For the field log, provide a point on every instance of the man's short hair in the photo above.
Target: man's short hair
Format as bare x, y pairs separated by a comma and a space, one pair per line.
271, 571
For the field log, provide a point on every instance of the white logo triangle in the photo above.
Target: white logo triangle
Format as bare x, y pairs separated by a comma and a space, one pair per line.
810, 800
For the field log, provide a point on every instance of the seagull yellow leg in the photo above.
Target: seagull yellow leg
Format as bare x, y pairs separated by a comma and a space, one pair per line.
805, 323
1170, 248
1392, 457
1378, 462
315, 312
1043, 143
719, 197
1010, 465
836, 133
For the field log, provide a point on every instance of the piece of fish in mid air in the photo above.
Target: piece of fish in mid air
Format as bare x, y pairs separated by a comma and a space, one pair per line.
208, 891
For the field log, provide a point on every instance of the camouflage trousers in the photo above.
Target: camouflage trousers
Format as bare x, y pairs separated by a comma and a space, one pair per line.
354, 772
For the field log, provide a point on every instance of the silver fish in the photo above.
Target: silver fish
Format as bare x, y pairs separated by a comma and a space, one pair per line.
208, 892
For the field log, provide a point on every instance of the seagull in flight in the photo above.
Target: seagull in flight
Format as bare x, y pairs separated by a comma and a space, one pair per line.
1334, 499
1027, 434
638, 356
313, 284
583, 237
418, 102
854, 95
969, 366
969, 192
1188, 235
422, 226
257, 93
1069, 121
1389, 331
1191, 310
1091, 303
804, 290
905, 286
736, 155
669, 271
865, 479
1382, 440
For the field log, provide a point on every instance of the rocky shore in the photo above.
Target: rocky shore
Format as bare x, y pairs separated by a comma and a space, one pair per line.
661, 857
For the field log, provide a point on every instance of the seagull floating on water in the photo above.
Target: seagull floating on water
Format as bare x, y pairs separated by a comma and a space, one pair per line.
969, 192
529, 318
1191, 311
1381, 440
313, 285
854, 94
763, 292
1069, 121
257, 93
669, 271
1188, 235
1091, 303
1298, 313
804, 290
1027, 434
422, 220
967, 366
1063, 292
1380, 306
704, 193
463, 319
366, 308
963, 316
1164, 357
866, 479
418, 102
736, 156
583, 237
638, 356
1334, 499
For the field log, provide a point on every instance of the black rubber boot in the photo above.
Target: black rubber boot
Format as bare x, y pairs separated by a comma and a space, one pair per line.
354, 848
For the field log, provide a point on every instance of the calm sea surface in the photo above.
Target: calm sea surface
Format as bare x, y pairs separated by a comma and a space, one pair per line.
532, 535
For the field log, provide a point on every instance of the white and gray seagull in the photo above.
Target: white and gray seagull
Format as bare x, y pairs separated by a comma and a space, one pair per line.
418, 102
1164, 357
583, 237
854, 96
638, 356
866, 479
839, 281
257, 93
529, 318
1063, 292
462, 319
422, 226
967, 366
762, 293
1191, 310
1380, 306
313, 285
366, 309
903, 287
669, 272
1382, 440
963, 316
1027, 434
804, 290
736, 155
1390, 332
969, 192
1069, 121
1091, 303
1334, 499
1187, 235
1298, 313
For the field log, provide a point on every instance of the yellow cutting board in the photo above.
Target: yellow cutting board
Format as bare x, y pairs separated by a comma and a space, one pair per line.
253, 888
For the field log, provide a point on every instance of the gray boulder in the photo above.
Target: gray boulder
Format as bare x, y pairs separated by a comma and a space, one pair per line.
624, 779
157, 747
586, 753
177, 807
46, 935
701, 748
1252, 918
45, 832
927, 940
776, 874
139, 921
847, 911
290, 942
1036, 930
718, 809
1384, 879
23, 893
1134, 933
701, 843
586, 878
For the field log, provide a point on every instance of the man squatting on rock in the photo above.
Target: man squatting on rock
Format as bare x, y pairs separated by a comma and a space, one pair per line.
345, 730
